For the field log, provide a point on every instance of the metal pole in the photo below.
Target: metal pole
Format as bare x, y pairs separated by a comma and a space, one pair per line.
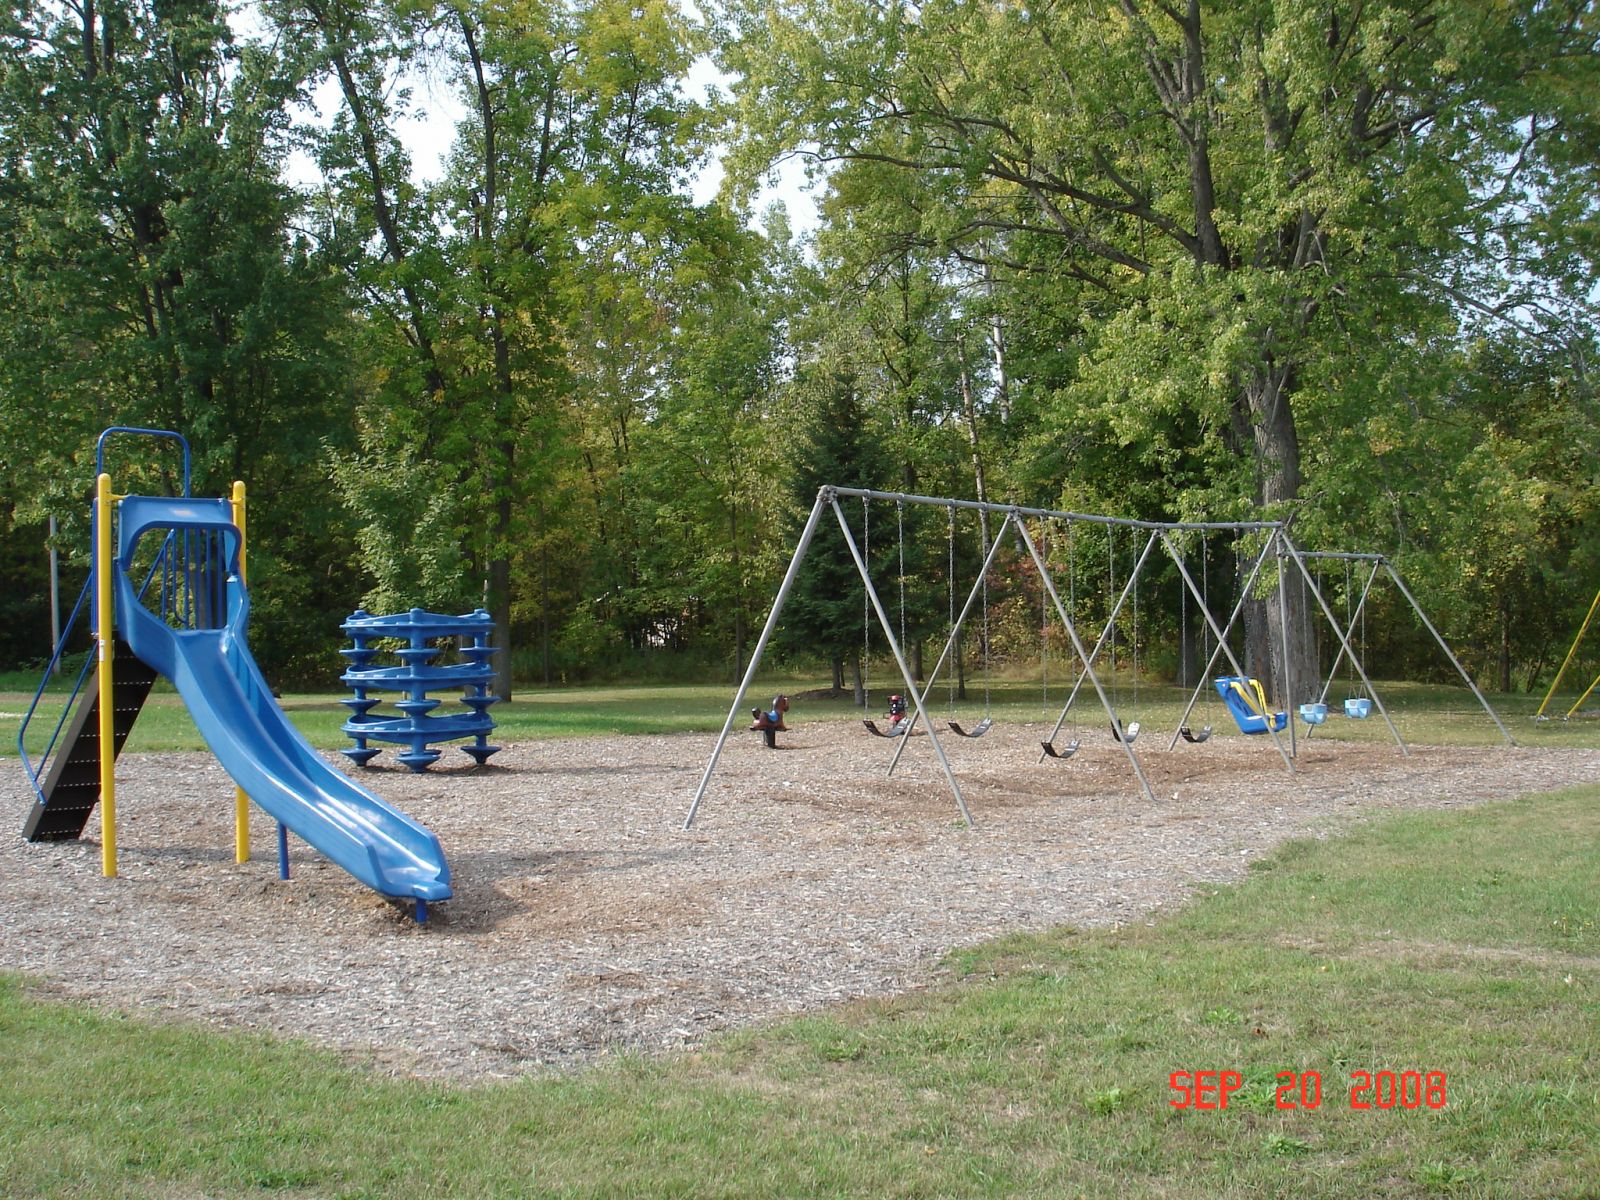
1091, 518
1083, 657
1578, 703
1105, 633
1222, 649
105, 621
1594, 605
241, 802
1222, 644
55, 600
1349, 629
899, 658
824, 496
955, 631
1346, 648
1288, 670
1448, 653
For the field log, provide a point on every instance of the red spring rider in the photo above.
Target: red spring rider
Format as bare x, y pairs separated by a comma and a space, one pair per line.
770, 721
897, 711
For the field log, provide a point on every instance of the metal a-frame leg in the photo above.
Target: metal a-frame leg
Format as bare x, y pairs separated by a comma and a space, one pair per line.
1221, 642
1083, 658
955, 632
900, 659
1344, 643
824, 496
1094, 655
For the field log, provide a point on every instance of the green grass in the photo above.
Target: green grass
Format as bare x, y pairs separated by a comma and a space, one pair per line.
1424, 714
576, 712
1465, 943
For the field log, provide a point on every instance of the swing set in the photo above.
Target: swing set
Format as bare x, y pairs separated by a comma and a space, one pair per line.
1244, 695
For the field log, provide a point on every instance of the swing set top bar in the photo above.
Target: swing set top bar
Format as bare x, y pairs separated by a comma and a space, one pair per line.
1089, 518
1345, 556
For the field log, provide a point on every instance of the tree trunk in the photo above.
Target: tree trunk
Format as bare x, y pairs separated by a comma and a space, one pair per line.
860, 683
740, 631
1287, 666
838, 675
1505, 646
500, 598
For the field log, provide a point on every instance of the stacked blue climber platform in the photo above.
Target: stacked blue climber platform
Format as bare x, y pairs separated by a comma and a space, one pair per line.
425, 636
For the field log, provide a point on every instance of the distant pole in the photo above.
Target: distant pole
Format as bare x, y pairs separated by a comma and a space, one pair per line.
55, 600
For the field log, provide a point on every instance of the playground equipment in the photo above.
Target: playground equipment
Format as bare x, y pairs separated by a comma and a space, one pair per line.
770, 721
417, 675
1187, 732
987, 721
1572, 651
895, 718
1067, 749
1247, 701
1271, 538
185, 618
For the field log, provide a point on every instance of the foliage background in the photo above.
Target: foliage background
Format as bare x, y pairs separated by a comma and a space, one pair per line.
1333, 261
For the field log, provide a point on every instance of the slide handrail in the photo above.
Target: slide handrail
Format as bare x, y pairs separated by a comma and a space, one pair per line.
28, 768
100, 448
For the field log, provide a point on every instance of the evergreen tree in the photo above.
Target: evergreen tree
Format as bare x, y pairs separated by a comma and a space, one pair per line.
838, 445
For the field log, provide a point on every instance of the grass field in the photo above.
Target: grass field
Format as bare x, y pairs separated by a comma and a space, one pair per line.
1423, 714
1465, 945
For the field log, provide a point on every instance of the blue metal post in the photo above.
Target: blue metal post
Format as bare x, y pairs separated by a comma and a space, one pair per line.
283, 851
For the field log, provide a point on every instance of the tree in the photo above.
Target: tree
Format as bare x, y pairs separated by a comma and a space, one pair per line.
1231, 195
519, 308
839, 446
150, 276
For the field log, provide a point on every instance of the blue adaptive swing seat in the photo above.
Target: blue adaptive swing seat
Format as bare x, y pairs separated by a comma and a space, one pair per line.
1247, 701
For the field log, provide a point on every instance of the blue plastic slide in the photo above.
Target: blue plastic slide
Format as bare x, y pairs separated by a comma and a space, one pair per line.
267, 756
1247, 701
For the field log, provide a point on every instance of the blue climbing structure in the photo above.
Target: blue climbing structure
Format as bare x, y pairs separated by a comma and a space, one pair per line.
425, 636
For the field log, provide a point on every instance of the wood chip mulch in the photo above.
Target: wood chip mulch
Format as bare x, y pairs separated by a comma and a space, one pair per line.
586, 921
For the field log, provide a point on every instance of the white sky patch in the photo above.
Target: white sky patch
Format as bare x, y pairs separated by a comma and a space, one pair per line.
425, 127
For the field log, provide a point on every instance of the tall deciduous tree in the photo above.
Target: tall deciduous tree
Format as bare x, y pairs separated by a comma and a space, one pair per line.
150, 276
1236, 195
519, 308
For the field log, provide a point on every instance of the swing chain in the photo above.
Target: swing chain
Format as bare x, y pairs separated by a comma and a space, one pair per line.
866, 609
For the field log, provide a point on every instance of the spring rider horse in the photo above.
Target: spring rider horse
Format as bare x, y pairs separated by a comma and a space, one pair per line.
770, 721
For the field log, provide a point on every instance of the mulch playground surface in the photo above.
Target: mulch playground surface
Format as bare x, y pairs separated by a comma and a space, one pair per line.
586, 920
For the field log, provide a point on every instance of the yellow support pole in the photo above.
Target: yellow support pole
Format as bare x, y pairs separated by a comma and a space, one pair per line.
241, 802
1578, 703
104, 622
1567, 662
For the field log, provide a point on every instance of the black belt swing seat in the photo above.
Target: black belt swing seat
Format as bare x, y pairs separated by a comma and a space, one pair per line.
977, 731
1062, 754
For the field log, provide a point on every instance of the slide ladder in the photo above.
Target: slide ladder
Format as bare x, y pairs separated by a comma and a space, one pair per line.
70, 789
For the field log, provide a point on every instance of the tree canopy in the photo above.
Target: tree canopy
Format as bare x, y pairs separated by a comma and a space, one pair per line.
1332, 262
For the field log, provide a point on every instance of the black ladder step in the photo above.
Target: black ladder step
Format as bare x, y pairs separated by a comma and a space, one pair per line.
72, 785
